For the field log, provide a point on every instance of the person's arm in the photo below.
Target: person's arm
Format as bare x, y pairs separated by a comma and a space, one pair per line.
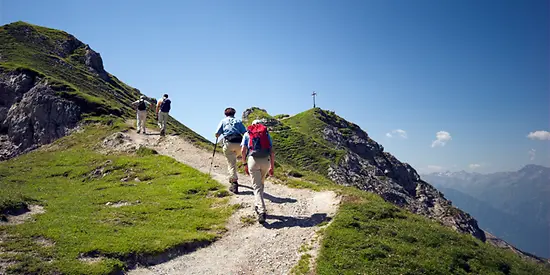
272, 157
241, 128
244, 152
158, 107
220, 129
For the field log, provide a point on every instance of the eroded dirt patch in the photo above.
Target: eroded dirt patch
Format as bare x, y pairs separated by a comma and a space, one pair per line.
90, 260
121, 203
118, 142
21, 215
44, 242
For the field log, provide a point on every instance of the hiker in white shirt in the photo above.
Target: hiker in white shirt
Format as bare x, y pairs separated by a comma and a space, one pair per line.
141, 108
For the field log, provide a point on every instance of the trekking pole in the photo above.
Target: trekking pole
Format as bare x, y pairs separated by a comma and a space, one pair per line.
212, 162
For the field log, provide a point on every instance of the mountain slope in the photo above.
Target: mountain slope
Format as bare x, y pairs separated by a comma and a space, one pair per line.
49, 82
512, 205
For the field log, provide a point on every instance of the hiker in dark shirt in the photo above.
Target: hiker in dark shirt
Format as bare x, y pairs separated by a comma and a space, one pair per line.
163, 108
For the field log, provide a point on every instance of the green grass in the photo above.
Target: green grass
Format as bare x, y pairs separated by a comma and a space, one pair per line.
297, 149
302, 267
280, 116
370, 236
172, 205
248, 220
301, 146
256, 113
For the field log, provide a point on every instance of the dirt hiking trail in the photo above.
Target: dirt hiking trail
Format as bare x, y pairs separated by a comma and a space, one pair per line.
293, 218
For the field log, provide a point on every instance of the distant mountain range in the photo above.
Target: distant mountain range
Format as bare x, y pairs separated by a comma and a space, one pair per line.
514, 206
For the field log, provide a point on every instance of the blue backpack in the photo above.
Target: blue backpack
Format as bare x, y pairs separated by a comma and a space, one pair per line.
165, 105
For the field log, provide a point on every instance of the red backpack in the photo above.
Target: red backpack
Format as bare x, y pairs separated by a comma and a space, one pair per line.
258, 142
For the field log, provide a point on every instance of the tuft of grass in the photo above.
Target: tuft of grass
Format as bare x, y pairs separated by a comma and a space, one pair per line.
281, 116
302, 267
296, 174
170, 207
248, 219
144, 151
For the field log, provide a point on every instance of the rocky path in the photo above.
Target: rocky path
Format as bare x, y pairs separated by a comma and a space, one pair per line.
294, 217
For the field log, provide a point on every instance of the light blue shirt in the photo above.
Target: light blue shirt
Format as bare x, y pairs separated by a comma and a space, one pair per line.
230, 125
246, 138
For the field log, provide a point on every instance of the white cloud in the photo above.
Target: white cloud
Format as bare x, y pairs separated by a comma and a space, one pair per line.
442, 138
474, 165
532, 154
540, 135
398, 132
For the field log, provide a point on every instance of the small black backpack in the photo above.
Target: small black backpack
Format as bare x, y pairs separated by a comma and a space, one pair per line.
141, 105
165, 105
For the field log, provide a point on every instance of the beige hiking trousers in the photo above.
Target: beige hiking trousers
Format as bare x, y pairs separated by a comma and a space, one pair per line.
163, 117
258, 168
141, 118
231, 151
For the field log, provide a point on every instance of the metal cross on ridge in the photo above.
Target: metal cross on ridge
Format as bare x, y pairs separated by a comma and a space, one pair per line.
313, 95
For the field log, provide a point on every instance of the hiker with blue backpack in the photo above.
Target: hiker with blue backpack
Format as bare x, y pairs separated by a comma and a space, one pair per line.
141, 108
163, 108
258, 160
232, 130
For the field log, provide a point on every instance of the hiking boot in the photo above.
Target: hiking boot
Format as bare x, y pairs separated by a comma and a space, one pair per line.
162, 133
261, 216
234, 188
139, 131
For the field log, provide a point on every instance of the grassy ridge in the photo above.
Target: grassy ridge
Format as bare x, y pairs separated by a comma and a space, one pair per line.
370, 236
171, 205
295, 146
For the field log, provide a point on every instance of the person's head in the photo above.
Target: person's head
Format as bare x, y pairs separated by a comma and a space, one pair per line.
229, 112
142, 97
165, 96
257, 121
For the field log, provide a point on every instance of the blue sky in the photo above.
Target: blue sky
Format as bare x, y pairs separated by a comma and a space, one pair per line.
477, 70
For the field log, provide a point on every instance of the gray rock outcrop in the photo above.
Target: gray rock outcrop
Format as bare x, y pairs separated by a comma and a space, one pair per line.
95, 63
31, 114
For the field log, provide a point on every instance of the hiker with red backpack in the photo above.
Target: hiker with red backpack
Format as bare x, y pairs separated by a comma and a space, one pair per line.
258, 160
232, 130
141, 108
163, 107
